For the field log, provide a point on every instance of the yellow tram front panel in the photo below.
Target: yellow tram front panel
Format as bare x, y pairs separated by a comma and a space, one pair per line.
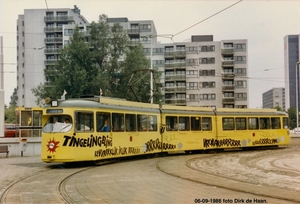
132, 131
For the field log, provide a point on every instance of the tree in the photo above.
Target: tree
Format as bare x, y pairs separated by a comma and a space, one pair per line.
278, 108
13, 98
10, 115
106, 60
135, 60
293, 117
73, 72
137, 66
108, 46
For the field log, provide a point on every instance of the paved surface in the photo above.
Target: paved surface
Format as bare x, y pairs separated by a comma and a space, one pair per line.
157, 180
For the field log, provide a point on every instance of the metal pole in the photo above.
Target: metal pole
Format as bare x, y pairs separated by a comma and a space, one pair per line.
151, 73
297, 95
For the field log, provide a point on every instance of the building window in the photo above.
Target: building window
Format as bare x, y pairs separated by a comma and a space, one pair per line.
192, 73
207, 85
240, 96
180, 47
192, 97
158, 62
240, 59
207, 96
207, 60
207, 73
239, 47
192, 85
144, 27
240, 72
169, 49
210, 48
68, 32
158, 51
191, 62
180, 96
191, 49
240, 84
147, 50
228, 45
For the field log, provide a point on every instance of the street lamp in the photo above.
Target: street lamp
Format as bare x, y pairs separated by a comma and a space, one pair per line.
297, 111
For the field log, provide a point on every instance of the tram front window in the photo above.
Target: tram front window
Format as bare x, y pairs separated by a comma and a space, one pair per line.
62, 123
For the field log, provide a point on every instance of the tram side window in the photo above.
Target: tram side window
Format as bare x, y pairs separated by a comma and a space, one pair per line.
118, 122
147, 123
142, 122
286, 123
130, 121
240, 124
171, 122
228, 123
275, 123
253, 123
264, 123
195, 123
102, 125
152, 123
184, 123
84, 121
206, 124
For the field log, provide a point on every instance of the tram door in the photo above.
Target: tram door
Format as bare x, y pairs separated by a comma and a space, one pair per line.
29, 122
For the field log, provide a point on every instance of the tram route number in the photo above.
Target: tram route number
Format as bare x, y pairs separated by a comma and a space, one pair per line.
236, 200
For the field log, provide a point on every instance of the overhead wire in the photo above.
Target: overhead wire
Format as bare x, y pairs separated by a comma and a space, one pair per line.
208, 18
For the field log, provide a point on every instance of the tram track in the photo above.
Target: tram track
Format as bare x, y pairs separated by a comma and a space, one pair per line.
212, 171
49, 184
92, 184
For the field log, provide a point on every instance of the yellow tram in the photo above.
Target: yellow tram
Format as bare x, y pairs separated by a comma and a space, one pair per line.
92, 129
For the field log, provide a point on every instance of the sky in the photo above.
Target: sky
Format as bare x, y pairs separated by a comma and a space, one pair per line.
264, 23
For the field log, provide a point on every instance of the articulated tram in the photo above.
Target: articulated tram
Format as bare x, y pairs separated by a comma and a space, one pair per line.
98, 128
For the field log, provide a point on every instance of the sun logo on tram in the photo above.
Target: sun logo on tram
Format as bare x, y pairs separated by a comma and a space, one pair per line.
52, 145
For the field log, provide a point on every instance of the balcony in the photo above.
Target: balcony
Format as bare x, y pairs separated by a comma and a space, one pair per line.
174, 89
50, 61
52, 50
133, 31
53, 40
227, 63
228, 75
53, 29
169, 54
227, 51
228, 100
178, 102
58, 18
175, 77
180, 64
180, 54
228, 88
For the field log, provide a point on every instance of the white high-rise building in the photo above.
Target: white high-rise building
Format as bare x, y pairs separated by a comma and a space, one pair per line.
40, 35
201, 72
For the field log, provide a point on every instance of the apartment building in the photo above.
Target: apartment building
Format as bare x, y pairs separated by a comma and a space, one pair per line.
273, 98
201, 72
40, 37
291, 70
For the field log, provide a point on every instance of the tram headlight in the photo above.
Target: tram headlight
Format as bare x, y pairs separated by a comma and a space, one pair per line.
54, 103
